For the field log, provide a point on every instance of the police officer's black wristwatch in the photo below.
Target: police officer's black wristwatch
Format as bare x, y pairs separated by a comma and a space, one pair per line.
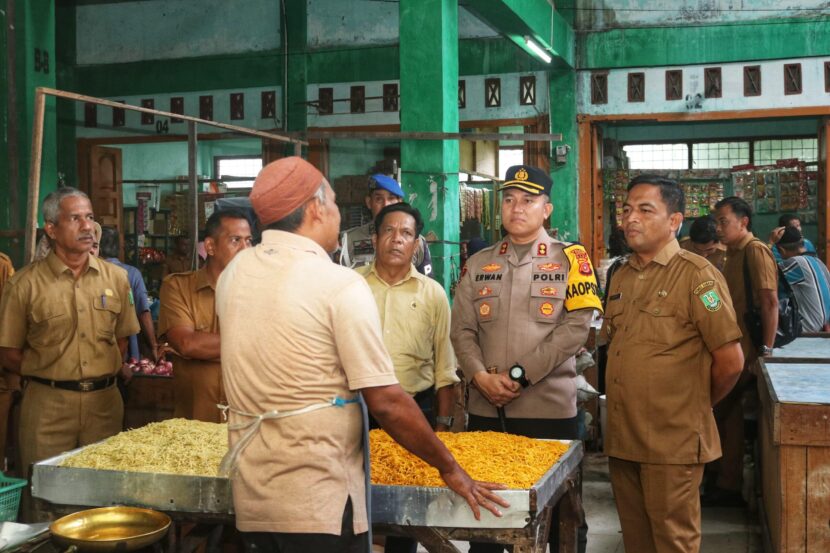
517, 374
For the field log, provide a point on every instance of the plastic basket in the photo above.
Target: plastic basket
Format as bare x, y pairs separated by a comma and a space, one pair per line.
10, 489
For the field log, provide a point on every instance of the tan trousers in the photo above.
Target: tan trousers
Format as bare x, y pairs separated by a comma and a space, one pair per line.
729, 415
196, 391
53, 421
659, 506
9, 387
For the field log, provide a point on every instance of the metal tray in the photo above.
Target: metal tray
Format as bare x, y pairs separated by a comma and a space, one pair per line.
404, 505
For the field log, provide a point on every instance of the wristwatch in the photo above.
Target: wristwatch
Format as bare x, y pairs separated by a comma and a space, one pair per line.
764, 350
446, 421
517, 374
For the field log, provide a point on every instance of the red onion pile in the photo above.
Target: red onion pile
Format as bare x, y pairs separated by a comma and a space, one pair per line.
150, 367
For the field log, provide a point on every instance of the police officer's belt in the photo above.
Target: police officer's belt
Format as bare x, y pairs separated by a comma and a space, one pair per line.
91, 385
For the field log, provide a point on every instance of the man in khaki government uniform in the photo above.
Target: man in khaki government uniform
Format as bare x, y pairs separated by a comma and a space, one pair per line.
673, 353
298, 343
415, 320
9, 381
744, 253
188, 322
703, 240
524, 307
64, 323
356, 249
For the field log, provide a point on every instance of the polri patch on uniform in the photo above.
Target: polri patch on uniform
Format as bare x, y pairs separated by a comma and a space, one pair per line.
491, 268
503, 248
702, 286
548, 291
549, 267
486, 291
484, 309
711, 300
546, 309
542, 249
585, 268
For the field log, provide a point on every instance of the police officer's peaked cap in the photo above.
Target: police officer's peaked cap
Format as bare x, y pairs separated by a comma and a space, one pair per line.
386, 183
527, 178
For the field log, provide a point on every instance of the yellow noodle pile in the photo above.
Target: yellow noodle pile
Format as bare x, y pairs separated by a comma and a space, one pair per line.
514, 461
175, 446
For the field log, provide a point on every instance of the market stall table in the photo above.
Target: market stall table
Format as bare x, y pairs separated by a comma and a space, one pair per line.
433, 516
794, 441
802, 350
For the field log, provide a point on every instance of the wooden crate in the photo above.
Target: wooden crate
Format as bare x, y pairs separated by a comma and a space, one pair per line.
149, 399
794, 440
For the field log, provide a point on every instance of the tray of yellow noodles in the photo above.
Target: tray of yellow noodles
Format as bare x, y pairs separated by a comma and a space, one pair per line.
407, 491
172, 466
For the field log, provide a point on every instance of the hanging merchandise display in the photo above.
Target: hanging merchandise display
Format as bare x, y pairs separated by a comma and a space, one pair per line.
786, 187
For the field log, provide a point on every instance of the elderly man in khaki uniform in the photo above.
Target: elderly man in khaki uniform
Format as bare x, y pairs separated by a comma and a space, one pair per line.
64, 323
522, 310
298, 343
673, 354
188, 322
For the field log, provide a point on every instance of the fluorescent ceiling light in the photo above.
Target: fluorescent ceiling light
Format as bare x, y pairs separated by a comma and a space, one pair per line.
536, 49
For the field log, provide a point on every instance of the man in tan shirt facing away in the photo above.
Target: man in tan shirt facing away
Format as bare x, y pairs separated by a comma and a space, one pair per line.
298, 343
9, 382
673, 353
187, 320
64, 323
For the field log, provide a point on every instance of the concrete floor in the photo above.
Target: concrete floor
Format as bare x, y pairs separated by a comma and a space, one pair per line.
724, 530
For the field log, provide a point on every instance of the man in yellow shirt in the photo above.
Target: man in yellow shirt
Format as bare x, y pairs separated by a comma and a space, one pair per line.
414, 314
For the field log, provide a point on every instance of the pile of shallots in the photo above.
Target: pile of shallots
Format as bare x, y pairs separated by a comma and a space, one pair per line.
161, 367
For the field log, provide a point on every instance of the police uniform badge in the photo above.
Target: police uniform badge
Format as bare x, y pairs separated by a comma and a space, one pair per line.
503, 248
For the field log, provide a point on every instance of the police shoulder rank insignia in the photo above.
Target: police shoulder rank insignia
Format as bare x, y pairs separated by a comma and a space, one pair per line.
491, 268
581, 291
711, 300
542, 249
702, 286
503, 248
484, 309
546, 309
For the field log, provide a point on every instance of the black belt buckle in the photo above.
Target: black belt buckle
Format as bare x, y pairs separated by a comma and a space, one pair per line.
86, 385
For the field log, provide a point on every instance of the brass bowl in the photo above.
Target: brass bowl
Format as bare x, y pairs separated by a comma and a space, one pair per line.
110, 529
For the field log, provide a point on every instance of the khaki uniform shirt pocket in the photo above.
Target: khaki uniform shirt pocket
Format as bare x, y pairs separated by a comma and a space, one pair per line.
105, 316
487, 309
49, 327
546, 302
657, 321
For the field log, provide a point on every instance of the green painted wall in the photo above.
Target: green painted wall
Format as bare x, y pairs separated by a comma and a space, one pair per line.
565, 183
692, 44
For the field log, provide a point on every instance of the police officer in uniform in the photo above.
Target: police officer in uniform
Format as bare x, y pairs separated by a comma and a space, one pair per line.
356, 248
522, 310
674, 353
64, 323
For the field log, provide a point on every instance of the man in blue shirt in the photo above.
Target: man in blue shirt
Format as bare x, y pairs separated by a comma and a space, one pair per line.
809, 279
109, 251
784, 222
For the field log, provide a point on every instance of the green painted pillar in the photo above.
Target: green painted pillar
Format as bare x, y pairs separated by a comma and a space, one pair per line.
65, 61
296, 23
562, 88
429, 103
34, 44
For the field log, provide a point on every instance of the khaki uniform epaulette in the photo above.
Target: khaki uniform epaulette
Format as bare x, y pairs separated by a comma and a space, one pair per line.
694, 259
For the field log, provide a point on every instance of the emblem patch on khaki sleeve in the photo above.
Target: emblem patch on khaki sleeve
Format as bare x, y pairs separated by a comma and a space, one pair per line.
546, 309
702, 286
711, 300
484, 309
